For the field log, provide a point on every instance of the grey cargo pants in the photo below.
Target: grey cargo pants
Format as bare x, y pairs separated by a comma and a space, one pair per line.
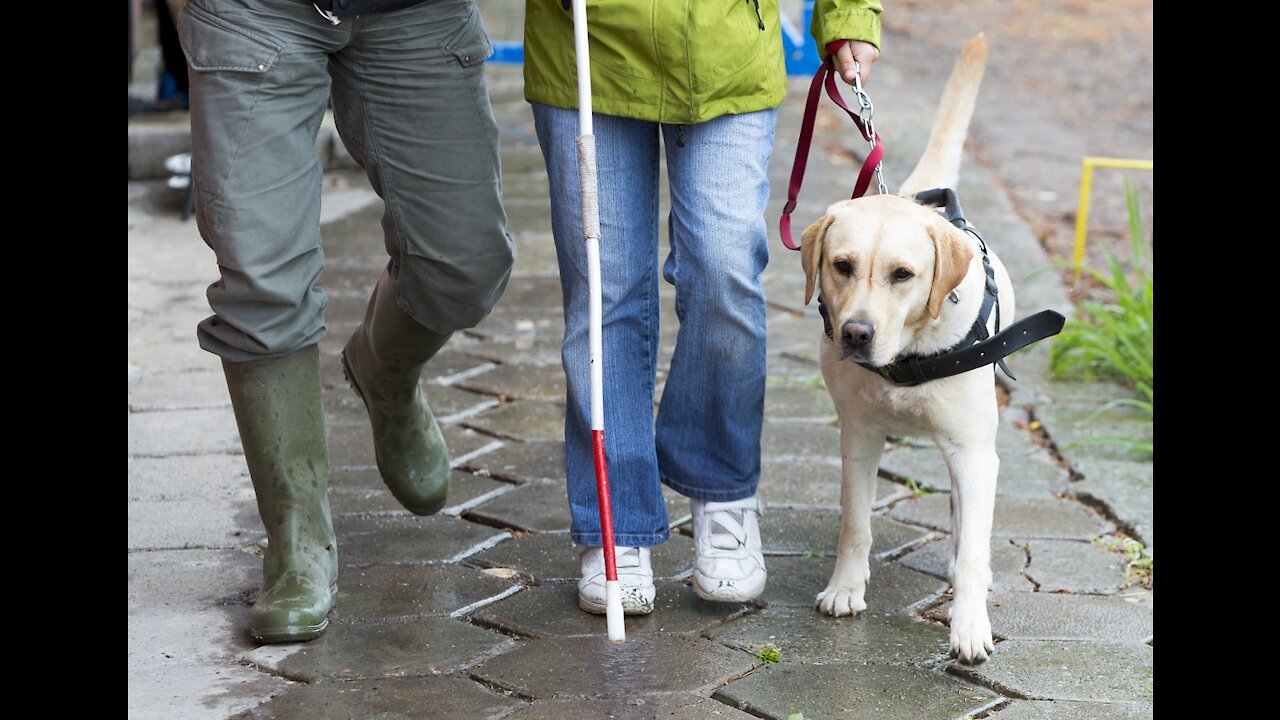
411, 106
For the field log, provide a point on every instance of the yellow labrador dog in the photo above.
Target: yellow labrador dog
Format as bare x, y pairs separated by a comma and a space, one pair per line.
898, 280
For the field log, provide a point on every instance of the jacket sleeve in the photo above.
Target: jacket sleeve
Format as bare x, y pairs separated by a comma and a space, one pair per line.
845, 20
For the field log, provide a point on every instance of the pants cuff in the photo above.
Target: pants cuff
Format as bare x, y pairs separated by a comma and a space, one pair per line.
623, 539
745, 490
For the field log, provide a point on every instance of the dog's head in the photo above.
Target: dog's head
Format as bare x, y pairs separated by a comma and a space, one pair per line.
884, 265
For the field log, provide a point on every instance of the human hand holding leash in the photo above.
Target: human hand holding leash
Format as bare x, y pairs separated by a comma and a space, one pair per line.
854, 53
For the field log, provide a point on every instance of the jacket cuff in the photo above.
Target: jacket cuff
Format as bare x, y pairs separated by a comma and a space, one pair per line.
860, 24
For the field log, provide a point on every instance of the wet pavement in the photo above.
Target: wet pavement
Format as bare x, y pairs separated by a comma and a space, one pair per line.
472, 614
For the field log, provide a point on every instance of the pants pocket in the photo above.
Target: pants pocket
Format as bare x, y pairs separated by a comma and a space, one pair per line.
214, 44
470, 45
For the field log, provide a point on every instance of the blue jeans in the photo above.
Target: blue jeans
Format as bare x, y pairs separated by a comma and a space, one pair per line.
706, 444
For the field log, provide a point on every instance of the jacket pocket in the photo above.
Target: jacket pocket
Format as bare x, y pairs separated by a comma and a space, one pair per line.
470, 45
211, 44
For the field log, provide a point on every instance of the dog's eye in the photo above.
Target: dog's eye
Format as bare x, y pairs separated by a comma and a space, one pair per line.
844, 267
902, 275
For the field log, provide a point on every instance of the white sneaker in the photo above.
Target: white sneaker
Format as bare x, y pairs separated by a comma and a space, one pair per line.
729, 561
635, 576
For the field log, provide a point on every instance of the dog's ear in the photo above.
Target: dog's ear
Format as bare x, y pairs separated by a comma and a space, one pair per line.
952, 254
811, 253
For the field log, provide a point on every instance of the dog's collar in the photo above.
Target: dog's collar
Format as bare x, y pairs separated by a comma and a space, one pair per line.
979, 347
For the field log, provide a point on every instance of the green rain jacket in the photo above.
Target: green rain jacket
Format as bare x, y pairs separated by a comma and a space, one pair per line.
676, 61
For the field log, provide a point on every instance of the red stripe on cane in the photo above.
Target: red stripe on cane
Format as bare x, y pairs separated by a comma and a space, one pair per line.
606, 512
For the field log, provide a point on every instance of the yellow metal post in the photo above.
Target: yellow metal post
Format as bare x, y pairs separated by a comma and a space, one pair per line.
1086, 184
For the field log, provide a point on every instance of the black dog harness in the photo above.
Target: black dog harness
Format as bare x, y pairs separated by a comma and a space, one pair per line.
979, 347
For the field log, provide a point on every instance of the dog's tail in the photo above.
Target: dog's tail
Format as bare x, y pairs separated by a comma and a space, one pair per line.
940, 165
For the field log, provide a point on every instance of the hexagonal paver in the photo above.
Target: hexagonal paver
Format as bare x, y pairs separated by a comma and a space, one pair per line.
552, 610
799, 404
1007, 563
450, 403
511, 322
451, 360
418, 698
382, 592
1068, 710
861, 691
923, 465
359, 491
363, 492
183, 432
519, 381
1025, 469
540, 507
467, 490
420, 646
1053, 670
551, 557
649, 707
523, 461
1077, 567
1126, 488
805, 635
797, 580
523, 420
350, 446
463, 443
788, 531
800, 440
1075, 429
591, 667
813, 481
1056, 616
539, 348
412, 540
1022, 517
533, 291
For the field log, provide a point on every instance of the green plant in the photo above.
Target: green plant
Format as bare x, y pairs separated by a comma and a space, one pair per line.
1140, 568
769, 654
916, 489
1115, 339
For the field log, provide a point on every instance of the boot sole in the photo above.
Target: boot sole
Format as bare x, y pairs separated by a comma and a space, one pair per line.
297, 633
735, 597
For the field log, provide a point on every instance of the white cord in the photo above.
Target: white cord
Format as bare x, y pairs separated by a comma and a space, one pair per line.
327, 15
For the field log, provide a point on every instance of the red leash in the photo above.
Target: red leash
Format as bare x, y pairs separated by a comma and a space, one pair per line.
826, 75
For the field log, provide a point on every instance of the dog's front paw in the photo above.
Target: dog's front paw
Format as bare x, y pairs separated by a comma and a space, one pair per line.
840, 601
971, 635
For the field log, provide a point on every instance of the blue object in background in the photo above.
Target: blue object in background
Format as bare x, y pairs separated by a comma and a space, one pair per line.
799, 49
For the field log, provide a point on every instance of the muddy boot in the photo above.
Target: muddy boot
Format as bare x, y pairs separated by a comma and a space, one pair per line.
281, 420
383, 362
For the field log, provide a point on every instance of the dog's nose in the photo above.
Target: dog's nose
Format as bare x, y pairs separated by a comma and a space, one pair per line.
857, 333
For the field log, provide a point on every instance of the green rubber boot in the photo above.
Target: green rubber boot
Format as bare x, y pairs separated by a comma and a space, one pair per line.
383, 362
281, 421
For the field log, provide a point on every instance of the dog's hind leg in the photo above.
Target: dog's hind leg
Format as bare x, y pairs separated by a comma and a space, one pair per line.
861, 449
973, 494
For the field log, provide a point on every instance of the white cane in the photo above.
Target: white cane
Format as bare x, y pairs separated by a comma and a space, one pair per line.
591, 234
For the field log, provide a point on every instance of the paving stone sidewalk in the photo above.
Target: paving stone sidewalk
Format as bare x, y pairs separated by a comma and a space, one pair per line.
471, 614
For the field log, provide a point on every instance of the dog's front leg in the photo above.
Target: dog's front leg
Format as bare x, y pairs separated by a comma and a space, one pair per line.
973, 496
861, 449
